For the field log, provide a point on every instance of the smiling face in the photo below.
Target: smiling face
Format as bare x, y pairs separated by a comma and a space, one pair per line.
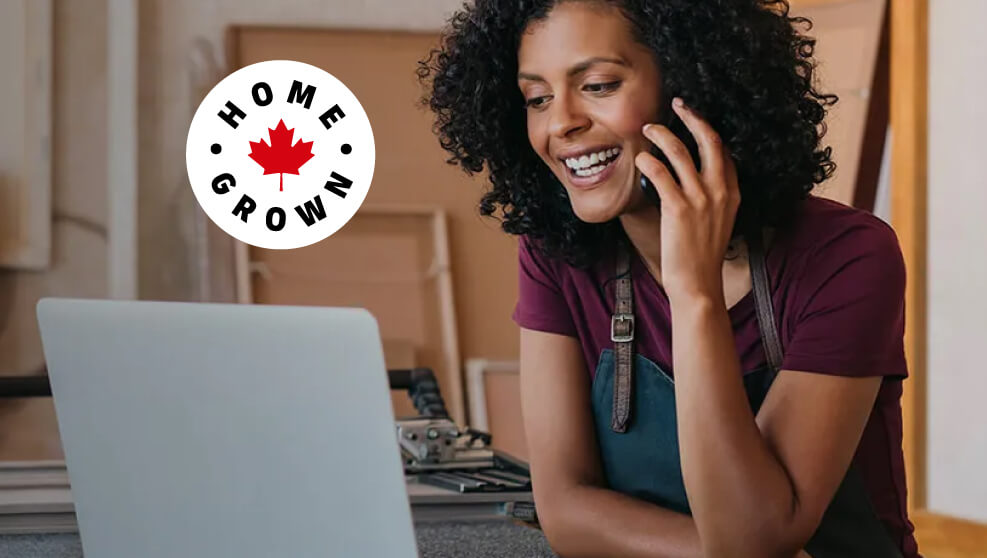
589, 87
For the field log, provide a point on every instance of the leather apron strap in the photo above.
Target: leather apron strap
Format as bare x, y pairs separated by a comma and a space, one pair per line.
622, 336
622, 325
762, 301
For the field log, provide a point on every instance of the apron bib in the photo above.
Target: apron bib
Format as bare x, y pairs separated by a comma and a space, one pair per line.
634, 413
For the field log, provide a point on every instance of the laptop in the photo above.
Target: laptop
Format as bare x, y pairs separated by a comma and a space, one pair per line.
222, 430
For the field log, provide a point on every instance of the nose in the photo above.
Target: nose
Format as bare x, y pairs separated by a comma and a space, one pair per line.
566, 117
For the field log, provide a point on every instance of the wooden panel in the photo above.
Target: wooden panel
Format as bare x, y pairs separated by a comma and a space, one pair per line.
78, 265
871, 161
410, 167
503, 394
947, 537
400, 353
25, 133
804, 3
848, 35
31, 430
909, 113
390, 262
495, 403
79, 269
938, 536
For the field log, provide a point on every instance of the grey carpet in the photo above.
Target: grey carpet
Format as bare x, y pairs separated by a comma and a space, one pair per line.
495, 539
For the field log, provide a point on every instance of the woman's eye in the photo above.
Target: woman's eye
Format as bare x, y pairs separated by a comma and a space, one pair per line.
535, 102
602, 87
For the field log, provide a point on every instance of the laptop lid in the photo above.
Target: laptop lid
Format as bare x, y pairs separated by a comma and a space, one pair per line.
226, 430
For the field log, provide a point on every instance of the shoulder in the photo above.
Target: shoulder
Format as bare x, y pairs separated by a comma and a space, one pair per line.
844, 304
828, 236
842, 261
821, 222
533, 260
532, 257
543, 294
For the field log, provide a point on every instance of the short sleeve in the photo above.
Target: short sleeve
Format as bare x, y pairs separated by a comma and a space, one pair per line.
849, 306
541, 304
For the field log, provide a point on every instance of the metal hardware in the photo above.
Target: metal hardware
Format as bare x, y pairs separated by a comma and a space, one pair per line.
622, 337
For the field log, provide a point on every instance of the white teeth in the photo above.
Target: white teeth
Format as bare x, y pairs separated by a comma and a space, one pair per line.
590, 172
586, 162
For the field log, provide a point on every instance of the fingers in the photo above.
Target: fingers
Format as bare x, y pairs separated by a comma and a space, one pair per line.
718, 173
679, 157
710, 146
668, 190
716, 184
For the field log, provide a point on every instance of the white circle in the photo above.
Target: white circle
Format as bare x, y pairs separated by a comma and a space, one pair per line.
322, 179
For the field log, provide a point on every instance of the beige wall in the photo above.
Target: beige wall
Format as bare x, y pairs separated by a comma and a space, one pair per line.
177, 38
78, 181
79, 254
173, 33
957, 267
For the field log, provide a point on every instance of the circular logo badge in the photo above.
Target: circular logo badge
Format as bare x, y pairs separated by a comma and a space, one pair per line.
280, 154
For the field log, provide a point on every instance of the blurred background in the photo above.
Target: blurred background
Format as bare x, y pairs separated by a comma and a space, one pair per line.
96, 102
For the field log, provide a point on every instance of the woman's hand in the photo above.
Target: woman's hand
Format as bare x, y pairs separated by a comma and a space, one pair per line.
697, 217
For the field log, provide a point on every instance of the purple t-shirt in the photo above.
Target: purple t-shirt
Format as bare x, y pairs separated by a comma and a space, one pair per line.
838, 284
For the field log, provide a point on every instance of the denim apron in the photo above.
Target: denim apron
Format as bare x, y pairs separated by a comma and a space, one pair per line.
634, 412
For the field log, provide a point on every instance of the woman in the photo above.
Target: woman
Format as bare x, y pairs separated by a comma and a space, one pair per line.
780, 313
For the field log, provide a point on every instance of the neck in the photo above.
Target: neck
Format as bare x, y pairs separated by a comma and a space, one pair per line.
643, 229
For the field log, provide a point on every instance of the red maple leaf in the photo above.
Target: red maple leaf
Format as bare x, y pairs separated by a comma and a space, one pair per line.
281, 157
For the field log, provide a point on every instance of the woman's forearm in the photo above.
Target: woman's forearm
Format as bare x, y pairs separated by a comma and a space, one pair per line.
598, 522
738, 491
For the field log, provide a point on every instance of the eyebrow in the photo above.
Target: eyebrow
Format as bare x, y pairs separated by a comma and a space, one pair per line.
576, 69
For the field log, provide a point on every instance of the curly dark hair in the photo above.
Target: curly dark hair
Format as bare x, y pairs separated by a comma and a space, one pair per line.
742, 64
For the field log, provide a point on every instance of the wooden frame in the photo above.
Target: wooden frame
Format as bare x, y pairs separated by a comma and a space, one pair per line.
441, 269
497, 383
804, 3
121, 150
909, 112
35, 497
476, 370
26, 191
938, 535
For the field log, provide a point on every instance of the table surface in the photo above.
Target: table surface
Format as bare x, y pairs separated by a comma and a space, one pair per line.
493, 539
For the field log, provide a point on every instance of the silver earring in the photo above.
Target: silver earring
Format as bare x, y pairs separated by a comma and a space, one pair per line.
733, 250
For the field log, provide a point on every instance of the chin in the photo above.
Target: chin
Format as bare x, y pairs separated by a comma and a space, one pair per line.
600, 205
596, 210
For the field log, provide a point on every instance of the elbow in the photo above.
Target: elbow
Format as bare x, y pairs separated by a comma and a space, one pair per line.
764, 535
555, 518
555, 526
757, 550
752, 546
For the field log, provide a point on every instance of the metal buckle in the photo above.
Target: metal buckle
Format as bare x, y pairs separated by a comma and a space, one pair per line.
629, 336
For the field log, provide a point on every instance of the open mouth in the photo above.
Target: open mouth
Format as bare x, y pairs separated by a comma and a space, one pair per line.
593, 168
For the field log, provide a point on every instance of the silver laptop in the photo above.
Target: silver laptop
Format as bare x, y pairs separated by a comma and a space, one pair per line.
214, 430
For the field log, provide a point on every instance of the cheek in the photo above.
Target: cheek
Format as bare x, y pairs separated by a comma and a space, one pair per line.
638, 107
620, 121
532, 134
628, 119
537, 138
